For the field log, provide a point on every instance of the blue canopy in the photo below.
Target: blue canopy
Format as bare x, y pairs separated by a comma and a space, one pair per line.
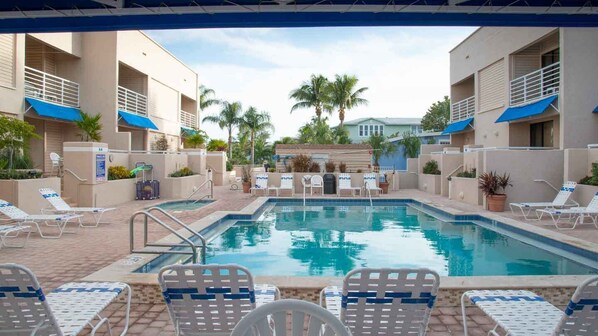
137, 120
188, 131
50, 110
526, 111
458, 126
595, 110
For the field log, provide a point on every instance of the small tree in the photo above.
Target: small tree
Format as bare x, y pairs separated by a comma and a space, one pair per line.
411, 144
438, 115
161, 143
380, 147
14, 139
90, 127
196, 139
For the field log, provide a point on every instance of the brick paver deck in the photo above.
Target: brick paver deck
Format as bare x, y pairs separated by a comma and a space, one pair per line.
75, 256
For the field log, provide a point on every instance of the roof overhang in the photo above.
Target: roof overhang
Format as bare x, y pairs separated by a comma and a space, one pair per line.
536, 108
458, 126
17, 16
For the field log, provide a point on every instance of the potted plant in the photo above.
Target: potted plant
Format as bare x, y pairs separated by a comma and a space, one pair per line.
384, 184
493, 186
246, 179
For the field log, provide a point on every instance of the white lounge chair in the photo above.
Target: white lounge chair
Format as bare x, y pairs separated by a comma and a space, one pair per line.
344, 183
370, 184
261, 184
12, 232
560, 201
384, 301
21, 217
211, 298
577, 213
67, 310
290, 317
521, 312
60, 206
287, 183
317, 182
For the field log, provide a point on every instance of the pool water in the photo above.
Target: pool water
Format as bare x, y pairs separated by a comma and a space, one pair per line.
332, 240
183, 205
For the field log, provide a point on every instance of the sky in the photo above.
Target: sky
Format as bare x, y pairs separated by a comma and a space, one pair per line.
406, 69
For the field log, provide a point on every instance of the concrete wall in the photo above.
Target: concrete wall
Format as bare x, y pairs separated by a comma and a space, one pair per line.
111, 193
180, 187
430, 183
578, 164
465, 190
67, 42
216, 161
12, 101
25, 193
274, 180
448, 164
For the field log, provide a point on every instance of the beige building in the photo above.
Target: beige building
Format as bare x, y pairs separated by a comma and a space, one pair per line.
525, 87
141, 90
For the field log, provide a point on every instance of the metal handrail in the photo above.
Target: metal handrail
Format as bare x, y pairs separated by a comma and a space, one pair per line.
51, 88
211, 194
146, 214
538, 84
454, 171
75, 175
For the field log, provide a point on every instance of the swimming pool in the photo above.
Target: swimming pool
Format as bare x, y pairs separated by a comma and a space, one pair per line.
330, 239
183, 205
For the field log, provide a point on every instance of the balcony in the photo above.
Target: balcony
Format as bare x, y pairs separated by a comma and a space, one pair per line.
463, 109
535, 85
131, 101
188, 119
44, 86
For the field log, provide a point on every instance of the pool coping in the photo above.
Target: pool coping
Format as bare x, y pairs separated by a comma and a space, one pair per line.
124, 269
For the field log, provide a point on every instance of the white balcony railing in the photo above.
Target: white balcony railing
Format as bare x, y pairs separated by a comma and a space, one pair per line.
536, 85
131, 101
188, 119
50, 88
463, 109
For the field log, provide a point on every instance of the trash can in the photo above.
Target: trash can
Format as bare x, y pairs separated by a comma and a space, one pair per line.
329, 184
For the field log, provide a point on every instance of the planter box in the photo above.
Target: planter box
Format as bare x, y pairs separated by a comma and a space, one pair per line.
181, 187
25, 193
465, 190
584, 193
106, 194
429, 183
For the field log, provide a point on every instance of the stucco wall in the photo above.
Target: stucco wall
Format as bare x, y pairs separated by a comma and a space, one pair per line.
465, 190
25, 193
448, 164
111, 193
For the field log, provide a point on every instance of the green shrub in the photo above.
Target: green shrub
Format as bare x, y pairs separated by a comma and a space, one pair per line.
118, 173
431, 167
229, 166
591, 180
20, 174
470, 174
272, 170
182, 172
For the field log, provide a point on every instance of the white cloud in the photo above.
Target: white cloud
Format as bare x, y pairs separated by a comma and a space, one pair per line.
405, 69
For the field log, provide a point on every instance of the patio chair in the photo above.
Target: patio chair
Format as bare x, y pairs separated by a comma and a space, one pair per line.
577, 213
317, 182
56, 163
344, 183
21, 217
210, 298
12, 232
560, 201
369, 184
261, 184
60, 206
67, 310
286, 183
384, 301
290, 317
521, 312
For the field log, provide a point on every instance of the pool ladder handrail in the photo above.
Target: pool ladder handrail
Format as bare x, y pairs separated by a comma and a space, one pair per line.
369, 191
187, 242
210, 182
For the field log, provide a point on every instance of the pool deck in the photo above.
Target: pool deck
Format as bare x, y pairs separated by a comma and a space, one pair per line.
76, 256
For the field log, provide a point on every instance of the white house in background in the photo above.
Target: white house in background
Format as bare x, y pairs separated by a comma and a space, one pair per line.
361, 129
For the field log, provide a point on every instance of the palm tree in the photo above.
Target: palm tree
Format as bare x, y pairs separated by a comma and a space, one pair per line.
380, 147
205, 98
312, 93
344, 96
228, 118
90, 127
254, 122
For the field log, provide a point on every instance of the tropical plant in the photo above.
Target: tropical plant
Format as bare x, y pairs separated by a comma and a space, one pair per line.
431, 141
438, 115
342, 167
185, 171
493, 184
468, 173
301, 163
90, 127
344, 95
254, 122
118, 173
263, 150
14, 142
316, 132
341, 135
195, 140
20, 174
380, 147
228, 118
411, 144
591, 180
313, 93
431, 167
205, 98
161, 144
216, 145
314, 167
246, 174
330, 166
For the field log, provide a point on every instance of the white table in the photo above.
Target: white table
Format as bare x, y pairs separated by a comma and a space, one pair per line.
518, 312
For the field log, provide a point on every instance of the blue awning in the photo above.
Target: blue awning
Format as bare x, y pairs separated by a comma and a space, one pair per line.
188, 131
595, 110
458, 126
137, 120
526, 111
50, 110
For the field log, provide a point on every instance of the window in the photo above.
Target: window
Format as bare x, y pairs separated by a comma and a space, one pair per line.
541, 134
550, 57
360, 130
368, 130
416, 129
